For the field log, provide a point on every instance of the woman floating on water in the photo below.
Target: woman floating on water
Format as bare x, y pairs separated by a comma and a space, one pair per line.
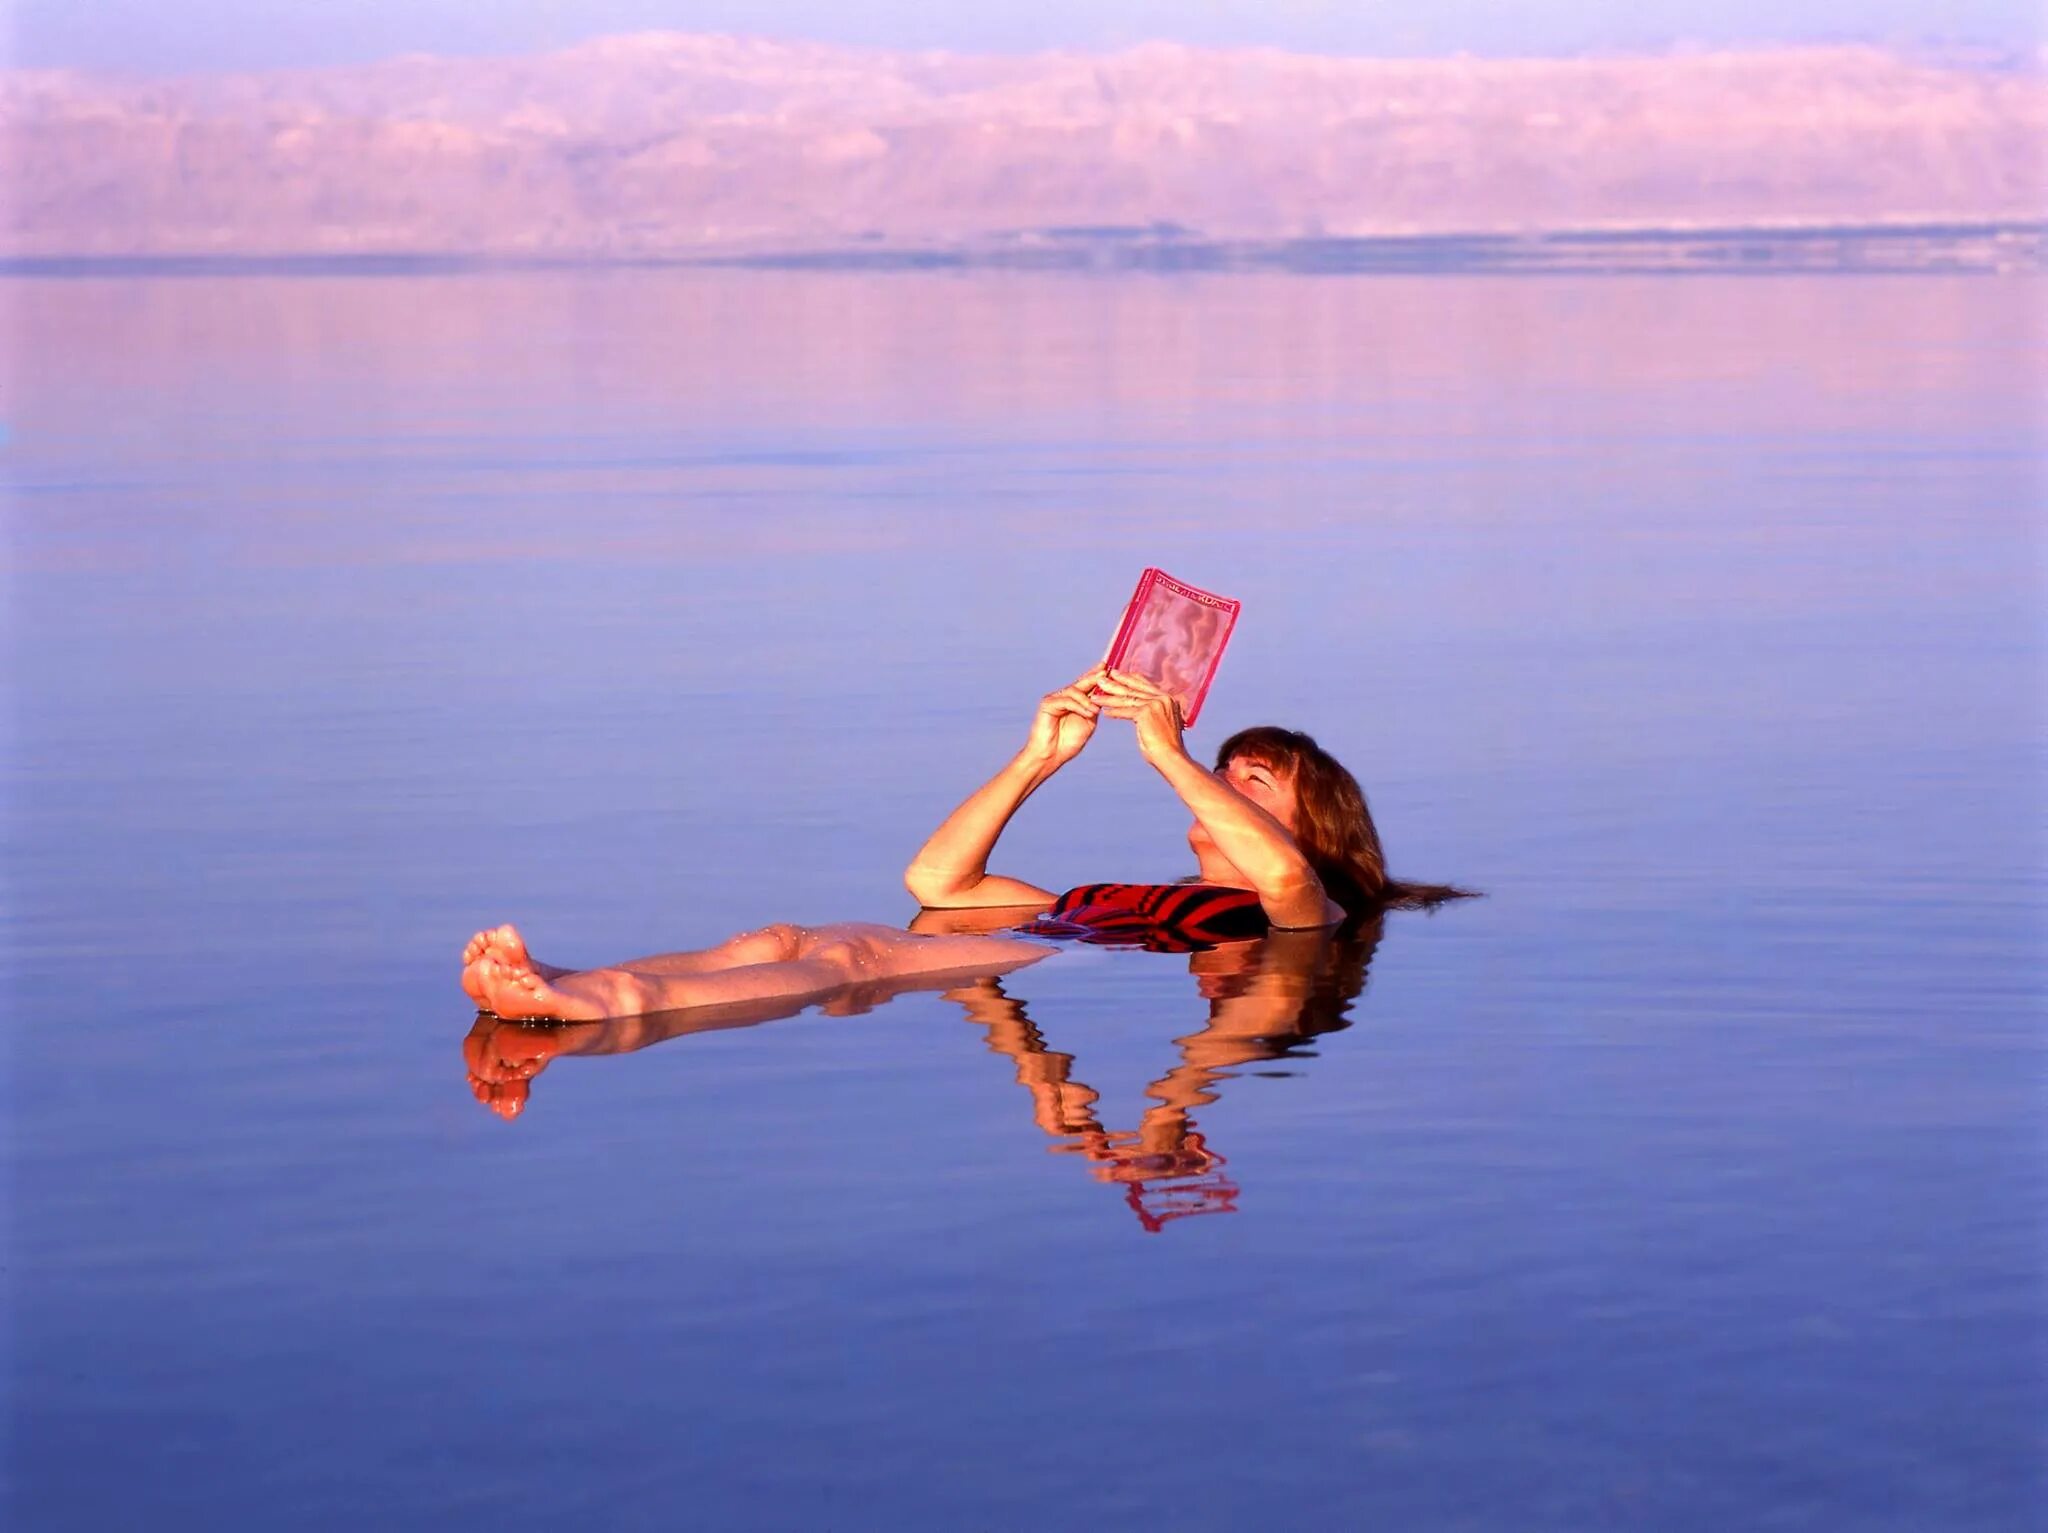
1261, 1001
1282, 840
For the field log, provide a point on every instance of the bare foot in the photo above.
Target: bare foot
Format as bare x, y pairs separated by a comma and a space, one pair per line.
472, 980
521, 992
510, 947
504, 943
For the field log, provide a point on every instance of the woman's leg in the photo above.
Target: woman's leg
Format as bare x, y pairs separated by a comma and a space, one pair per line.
768, 945
813, 961
771, 944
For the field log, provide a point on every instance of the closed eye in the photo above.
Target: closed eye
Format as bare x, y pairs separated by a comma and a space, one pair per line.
1249, 777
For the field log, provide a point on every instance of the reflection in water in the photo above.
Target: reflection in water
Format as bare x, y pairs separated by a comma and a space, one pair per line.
596, 356
505, 1055
1265, 999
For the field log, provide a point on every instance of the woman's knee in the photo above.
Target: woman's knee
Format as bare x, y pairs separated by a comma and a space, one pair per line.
771, 944
847, 937
858, 955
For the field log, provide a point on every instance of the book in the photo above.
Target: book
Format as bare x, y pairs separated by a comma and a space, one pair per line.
1173, 634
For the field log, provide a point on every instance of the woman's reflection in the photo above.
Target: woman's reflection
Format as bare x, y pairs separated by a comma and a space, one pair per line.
1266, 998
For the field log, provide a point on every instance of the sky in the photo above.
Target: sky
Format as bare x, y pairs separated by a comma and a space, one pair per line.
182, 36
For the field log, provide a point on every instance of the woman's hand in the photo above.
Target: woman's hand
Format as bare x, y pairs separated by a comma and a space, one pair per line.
950, 871
1065, 721
1156, 712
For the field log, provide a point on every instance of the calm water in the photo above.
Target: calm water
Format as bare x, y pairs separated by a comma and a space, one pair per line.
1694, 1179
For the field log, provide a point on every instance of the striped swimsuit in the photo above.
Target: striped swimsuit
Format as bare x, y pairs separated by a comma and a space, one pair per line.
1163, 918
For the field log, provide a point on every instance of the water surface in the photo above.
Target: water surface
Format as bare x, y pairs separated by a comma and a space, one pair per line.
1693, 1179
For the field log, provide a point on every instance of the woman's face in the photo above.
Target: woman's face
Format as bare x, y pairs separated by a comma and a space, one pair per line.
1267, 786
1271, 788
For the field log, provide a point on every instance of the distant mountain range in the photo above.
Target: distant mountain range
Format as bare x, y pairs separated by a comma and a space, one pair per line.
665, 145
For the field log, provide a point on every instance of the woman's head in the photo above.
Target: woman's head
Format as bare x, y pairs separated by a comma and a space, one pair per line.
1308, 790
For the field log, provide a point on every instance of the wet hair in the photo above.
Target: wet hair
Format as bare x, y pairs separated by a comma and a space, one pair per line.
1333, 826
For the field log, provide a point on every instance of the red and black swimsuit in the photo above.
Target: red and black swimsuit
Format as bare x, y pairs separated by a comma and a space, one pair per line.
1164, 918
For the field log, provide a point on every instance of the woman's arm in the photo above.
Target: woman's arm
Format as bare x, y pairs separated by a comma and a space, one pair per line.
1252, 839
951, 869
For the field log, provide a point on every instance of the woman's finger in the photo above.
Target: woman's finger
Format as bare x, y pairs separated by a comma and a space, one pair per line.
1136, 700
1138, 683
1114, 688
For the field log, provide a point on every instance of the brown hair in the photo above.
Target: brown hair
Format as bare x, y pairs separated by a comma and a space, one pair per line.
1333, 826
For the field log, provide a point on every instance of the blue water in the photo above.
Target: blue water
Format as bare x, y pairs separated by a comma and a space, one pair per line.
1691, 1180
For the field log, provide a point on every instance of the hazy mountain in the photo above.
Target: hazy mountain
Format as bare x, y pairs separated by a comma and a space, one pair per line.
680, 144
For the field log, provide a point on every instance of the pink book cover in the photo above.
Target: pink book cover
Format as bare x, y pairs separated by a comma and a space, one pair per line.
1173, 635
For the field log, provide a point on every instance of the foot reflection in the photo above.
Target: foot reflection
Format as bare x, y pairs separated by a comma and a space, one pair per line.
503, 1058
1264, 1000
